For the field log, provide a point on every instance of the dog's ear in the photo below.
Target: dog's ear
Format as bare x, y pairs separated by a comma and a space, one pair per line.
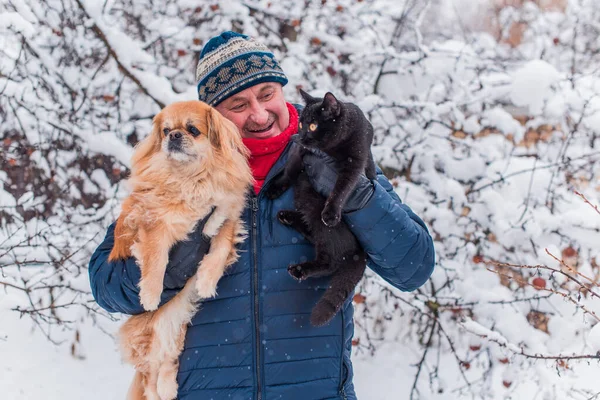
150, 145
224, 135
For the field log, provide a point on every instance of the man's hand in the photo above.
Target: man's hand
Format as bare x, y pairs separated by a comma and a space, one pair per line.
322, 174
185, 256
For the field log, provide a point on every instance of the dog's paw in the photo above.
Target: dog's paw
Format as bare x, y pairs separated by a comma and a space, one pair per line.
212, 226
149, 294
330, 216
167, 389
150, 303
150, 394
206, 285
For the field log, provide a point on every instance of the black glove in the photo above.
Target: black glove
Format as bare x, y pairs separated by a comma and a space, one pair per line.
185, 256
321, 171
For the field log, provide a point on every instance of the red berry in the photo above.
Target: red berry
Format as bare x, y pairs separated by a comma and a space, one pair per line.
569, 252
359, 298
539, 283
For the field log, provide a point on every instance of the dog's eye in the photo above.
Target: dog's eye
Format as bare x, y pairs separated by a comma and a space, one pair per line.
312, 127
166, 131
300, 125
193, 130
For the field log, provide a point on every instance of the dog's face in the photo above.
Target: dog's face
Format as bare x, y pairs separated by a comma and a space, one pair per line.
184, 129
190, 133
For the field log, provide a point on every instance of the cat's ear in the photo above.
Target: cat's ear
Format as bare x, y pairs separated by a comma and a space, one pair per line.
331, 106
308, 99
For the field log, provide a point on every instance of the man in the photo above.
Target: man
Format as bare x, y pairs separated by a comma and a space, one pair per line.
254, 339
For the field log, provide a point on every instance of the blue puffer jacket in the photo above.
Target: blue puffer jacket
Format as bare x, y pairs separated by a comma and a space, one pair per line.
254, 340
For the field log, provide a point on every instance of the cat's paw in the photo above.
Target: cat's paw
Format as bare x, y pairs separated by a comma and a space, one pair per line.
330, 216
297, 272
285, 217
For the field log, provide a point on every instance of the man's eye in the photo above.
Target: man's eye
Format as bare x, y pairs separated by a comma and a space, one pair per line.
193, 130
238, 107
166, 131
267, 96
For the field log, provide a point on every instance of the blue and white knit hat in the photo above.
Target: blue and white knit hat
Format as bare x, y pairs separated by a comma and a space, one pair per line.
232, 62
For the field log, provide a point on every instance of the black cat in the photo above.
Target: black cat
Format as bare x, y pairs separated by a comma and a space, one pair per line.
343, 132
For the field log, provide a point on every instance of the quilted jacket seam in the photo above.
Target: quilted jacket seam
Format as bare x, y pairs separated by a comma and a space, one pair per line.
304, 359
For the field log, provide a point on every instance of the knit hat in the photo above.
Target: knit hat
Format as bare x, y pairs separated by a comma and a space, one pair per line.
232, 62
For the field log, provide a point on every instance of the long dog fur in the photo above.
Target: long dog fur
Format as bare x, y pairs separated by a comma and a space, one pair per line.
171, 190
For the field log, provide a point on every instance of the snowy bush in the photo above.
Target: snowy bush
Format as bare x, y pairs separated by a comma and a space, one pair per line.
487, 119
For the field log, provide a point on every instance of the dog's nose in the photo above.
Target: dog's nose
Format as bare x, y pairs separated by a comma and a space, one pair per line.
175, 135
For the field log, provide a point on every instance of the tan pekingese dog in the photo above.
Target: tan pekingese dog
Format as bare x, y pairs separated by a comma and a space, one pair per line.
193, 160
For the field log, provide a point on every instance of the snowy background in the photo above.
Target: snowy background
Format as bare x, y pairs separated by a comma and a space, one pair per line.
487, 118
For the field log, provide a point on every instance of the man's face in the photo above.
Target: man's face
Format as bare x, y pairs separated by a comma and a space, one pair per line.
258, 112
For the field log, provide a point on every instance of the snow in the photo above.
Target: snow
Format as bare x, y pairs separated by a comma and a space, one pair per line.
50, 372
532, 84
593, 339
500, 119
488, 142
108, 143
17, 22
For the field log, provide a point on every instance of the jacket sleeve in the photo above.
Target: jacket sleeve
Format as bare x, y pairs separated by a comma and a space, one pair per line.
396, 239
115, 283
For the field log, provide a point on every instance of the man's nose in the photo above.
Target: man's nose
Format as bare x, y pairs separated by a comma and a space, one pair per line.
260, 115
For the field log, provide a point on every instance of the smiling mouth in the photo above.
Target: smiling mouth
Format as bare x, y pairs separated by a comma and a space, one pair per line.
258, 131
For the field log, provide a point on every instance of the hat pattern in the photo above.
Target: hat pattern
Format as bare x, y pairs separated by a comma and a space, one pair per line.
232, 62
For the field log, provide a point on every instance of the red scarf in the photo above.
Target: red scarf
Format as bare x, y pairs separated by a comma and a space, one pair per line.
264, 152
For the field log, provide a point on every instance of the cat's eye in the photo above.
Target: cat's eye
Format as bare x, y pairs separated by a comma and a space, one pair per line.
312, 127
166, 131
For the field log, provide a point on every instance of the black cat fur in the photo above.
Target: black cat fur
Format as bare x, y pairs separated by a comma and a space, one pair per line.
343, 132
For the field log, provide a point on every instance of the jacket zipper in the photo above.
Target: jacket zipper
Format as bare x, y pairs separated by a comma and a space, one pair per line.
342, 366
256, 293
256, 316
